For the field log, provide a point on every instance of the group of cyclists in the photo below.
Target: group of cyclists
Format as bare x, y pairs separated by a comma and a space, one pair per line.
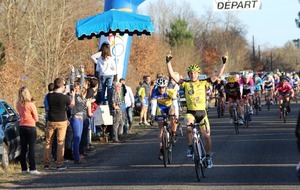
243, 89
235, 88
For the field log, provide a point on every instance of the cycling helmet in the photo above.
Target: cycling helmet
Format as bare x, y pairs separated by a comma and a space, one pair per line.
284, 79
194, 68
161, 82
231, 79
246, 75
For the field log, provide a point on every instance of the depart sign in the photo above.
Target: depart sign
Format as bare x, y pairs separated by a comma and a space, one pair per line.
236, 5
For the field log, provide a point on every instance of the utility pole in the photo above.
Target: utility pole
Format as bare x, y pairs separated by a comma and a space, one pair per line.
271, 56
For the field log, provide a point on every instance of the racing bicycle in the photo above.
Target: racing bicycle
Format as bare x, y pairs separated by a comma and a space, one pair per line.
218, 103
167, 144
199, 153
235, 117
255, 104
246, 113
283, 110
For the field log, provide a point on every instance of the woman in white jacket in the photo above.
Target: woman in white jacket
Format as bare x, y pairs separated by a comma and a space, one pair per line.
106, 69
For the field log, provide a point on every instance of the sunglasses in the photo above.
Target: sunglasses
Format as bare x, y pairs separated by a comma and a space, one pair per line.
160, 87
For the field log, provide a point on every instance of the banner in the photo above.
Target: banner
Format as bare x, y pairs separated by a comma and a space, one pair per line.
236, 5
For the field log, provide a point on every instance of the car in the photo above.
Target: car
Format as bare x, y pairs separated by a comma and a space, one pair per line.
182, 99
200, 77
10, 146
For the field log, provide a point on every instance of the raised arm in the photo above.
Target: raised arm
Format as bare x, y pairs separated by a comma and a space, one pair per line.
221, 69
170, 70
96, 56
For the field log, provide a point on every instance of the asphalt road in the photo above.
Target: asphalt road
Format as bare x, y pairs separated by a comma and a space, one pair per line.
262, 156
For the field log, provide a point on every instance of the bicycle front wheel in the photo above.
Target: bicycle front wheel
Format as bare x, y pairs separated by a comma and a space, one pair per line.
284, 113
170, 153
165, 149
218, 108
256, 105
246, 116
197, 160
236, 124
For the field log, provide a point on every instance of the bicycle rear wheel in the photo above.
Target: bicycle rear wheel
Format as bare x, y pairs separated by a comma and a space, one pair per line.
165, 149
268, 104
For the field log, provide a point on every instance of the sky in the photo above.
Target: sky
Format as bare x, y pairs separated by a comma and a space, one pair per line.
272, 26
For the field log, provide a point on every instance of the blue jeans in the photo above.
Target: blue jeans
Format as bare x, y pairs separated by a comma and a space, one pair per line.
84, 137
106, 84
128, 118
77, 125
28, 140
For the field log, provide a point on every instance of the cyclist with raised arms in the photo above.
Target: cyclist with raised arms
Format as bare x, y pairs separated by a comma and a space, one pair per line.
164, 102
233, 94
284, 89
195, 93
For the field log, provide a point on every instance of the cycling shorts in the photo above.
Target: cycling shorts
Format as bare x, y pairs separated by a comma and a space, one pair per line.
246, 92
233, 99
284, 94
199, 116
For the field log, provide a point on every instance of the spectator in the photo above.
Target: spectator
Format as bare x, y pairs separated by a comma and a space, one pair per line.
91, 94
128, 100
54, 147
78, 114
144, 95
57, 121
28, 118
117, 113
106, 68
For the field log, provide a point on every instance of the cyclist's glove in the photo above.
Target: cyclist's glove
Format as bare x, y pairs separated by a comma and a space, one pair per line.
168, 58
224, 59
